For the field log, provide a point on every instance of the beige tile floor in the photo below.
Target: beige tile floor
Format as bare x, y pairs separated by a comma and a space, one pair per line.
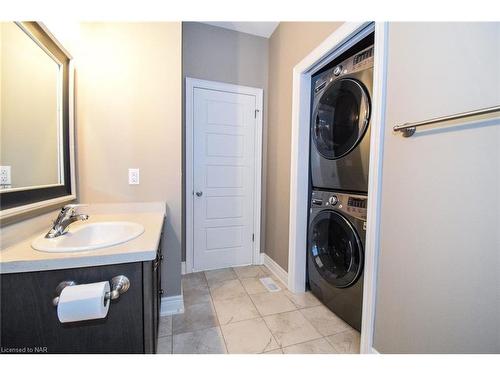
230, 311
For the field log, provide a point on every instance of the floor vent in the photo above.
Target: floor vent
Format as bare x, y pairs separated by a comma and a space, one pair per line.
270, 284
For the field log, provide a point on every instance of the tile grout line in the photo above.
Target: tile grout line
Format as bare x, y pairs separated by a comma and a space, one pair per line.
199, 329
305, 342
256, 309
270, 330
272, 334
216, 314
297, 307
261, 317
264, 321
307, 320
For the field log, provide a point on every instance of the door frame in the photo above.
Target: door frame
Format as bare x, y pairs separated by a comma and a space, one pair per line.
343, 38
191, 84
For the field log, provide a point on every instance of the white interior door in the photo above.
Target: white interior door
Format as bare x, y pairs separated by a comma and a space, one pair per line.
223, 178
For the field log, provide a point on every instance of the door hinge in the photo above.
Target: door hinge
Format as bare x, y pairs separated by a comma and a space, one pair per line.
255, 113
253, 237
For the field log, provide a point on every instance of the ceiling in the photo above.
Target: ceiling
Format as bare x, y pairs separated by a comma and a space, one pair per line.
264, 29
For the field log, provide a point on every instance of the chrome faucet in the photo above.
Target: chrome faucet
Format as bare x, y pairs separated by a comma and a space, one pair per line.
64, 219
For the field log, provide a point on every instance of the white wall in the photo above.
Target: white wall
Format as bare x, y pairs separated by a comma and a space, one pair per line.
438, 276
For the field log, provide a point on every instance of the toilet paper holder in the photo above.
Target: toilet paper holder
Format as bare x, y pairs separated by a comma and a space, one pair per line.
119, 285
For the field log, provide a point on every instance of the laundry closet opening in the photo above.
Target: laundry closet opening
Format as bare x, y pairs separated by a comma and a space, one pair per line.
336, 113
339, 165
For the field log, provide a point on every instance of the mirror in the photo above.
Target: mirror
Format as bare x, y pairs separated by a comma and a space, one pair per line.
35, 155
30, 124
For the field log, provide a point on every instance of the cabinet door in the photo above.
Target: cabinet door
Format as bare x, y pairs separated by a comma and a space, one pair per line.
29, 320
156, 302
158, 293
150, 291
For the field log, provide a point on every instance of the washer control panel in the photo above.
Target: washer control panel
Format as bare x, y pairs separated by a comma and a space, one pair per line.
351, 204
333, 200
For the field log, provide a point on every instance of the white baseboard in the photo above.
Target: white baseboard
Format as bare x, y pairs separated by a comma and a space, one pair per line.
172, 305
275, 268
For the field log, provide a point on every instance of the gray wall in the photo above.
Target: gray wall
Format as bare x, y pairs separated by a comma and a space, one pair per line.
438, 277
217, 54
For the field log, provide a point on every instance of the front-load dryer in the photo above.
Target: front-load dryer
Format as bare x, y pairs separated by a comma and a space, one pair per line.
340, 124
335, 253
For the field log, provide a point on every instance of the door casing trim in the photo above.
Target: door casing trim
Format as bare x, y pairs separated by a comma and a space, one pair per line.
191, 84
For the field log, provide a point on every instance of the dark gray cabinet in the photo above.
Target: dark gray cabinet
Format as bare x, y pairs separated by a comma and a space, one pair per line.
29, 322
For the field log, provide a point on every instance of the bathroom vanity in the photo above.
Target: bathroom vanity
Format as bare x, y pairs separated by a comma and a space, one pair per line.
116, 240
29, 279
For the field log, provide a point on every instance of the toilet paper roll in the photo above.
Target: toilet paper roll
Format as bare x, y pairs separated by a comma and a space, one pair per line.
83, 302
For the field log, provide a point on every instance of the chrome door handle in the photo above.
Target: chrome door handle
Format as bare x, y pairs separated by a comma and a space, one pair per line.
199, 193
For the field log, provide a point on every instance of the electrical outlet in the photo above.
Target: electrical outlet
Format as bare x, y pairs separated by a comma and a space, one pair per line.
5, 178
133, 176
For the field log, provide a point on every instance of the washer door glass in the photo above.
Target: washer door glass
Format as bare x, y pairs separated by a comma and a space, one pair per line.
340, 118
335, 249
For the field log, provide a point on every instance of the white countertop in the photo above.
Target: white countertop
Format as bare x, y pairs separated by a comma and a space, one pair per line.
21, 257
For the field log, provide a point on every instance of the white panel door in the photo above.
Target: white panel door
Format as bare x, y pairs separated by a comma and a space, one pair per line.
223, 178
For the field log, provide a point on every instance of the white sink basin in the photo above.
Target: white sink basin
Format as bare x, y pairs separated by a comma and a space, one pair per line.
90, 236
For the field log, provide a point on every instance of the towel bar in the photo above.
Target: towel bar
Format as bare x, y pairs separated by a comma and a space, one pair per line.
408, 129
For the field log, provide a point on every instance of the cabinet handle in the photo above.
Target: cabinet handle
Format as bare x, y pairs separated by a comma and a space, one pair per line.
160, 292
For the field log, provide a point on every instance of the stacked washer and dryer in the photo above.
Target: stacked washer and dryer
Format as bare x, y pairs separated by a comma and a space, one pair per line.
340, 153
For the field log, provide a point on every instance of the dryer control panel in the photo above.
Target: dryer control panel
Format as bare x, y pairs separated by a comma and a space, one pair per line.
349, 204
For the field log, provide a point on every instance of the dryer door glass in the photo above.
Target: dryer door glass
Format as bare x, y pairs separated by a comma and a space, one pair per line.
340, 118
335, 248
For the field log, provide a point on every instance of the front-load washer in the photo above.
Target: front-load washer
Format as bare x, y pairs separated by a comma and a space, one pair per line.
335, 253
340, 124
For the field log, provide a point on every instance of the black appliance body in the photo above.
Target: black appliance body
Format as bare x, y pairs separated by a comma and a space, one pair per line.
335, 253
340, 124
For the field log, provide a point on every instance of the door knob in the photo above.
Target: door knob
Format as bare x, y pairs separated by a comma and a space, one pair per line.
199, 193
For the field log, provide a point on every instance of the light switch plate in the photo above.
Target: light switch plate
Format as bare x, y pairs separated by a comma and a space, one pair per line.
133, 176
5, 178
